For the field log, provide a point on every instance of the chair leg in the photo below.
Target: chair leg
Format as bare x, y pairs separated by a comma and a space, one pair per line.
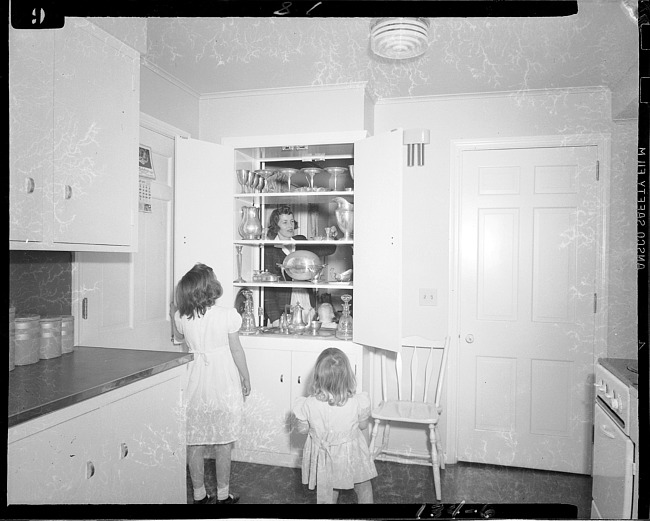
373, 436
434, 461
386, 436
441, 453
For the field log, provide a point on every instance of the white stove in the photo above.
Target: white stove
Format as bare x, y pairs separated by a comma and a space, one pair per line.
616, 440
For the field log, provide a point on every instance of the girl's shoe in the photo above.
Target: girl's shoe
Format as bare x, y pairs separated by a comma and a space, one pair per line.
232, 498
207, 500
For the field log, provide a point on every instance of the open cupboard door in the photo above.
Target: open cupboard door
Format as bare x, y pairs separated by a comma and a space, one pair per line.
378, 178
203, 219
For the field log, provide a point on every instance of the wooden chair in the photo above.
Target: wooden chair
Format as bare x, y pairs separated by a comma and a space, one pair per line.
414, 410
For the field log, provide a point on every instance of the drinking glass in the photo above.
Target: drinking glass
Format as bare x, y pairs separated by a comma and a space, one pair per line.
288, 172
242, 178
311, 172
335, 171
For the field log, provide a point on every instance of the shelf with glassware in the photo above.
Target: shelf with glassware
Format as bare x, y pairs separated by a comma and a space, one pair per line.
321, 262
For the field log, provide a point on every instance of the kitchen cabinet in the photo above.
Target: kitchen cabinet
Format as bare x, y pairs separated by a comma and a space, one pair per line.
74, 112
123, 446
280, 371
208, 212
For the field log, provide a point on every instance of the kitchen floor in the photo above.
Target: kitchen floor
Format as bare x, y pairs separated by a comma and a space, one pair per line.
413, 484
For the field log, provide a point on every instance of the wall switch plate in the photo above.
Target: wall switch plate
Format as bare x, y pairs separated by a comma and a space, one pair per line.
428, 297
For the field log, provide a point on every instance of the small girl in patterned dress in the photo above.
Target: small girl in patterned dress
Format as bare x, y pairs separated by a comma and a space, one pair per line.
336, 454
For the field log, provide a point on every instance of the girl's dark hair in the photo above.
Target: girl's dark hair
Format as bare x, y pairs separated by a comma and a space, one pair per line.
334, 380
198, 290
275, 217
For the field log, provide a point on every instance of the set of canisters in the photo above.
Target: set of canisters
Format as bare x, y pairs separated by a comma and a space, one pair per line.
33, 338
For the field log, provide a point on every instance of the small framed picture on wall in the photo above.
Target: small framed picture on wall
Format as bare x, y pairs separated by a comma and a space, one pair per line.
146, 163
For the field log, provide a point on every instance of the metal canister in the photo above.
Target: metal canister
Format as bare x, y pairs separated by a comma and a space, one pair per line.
28, 339
12, 338
50, 344
67, 333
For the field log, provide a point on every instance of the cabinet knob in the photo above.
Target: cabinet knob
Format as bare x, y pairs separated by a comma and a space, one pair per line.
68, 192
90, 469
124, 450
30, 185
298, 379
282, 378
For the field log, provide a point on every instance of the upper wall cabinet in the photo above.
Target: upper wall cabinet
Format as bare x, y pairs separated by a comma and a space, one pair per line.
74, 112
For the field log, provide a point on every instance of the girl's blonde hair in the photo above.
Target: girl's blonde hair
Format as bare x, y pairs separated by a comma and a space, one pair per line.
334, 380
197, 291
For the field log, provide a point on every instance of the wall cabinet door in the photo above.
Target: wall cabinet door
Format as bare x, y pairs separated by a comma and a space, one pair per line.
96, 108
31, 69
266, 421
378, 245
74, 110
203, 219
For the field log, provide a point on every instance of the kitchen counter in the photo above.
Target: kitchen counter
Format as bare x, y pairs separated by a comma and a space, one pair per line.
620, 367
50, 385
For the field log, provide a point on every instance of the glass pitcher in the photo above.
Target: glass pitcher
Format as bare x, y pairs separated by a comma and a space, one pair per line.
250, 226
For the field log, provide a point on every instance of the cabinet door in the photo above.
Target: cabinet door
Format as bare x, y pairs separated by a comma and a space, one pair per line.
266, 421
145, 446
203, 219
31, 62
96, 111
377, 240
63, 464
302, 372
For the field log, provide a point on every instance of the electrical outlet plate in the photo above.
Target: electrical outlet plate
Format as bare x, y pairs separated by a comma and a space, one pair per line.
428, 297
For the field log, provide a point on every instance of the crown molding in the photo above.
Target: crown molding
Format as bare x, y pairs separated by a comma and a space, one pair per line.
285, 90
499, 94
165, 75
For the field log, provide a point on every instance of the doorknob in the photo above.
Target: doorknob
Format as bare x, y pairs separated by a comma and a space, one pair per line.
469, 339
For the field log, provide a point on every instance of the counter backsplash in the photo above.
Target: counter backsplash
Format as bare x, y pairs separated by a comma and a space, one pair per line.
40, 282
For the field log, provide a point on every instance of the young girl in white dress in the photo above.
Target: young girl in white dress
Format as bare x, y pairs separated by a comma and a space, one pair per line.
218, 377
336, 454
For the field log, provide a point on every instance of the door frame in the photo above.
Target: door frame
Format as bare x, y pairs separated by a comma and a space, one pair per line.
164, 129
458, 146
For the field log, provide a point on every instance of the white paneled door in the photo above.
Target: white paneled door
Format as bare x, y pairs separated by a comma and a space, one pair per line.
124, 297
528, 236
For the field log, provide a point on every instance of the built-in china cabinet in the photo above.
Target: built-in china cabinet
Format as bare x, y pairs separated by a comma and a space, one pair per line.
208, 215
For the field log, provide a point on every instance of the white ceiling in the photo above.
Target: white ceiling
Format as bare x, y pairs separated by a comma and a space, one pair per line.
596, 47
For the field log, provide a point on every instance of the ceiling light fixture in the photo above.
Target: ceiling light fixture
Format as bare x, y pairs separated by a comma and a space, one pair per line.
399, 38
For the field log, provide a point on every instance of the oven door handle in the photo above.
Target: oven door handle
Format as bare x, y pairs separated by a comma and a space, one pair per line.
603, 429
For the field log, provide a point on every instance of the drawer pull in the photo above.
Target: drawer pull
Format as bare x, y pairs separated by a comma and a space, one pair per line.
29, 185
124, 450
282, 378
68, 192
299, 379
90, 469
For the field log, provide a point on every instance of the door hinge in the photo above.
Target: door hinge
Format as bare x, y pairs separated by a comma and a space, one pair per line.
597, 170
595, 302
84, 308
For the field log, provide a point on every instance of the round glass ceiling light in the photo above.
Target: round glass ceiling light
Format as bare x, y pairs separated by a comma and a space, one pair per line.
399, 38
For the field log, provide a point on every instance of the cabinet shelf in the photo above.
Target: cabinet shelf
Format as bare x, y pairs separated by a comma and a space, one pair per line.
306, 284
293, 197
267, 242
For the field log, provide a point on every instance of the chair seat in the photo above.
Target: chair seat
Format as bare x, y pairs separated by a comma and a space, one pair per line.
406, 411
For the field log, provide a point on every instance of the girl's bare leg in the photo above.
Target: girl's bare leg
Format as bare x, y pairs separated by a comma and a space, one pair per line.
195, 462
222, 464
364, 492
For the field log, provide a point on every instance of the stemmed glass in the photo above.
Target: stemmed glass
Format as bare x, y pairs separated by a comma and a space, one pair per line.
250, 179
264, 174
311, 172
289, 172
334, 171
242, 178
